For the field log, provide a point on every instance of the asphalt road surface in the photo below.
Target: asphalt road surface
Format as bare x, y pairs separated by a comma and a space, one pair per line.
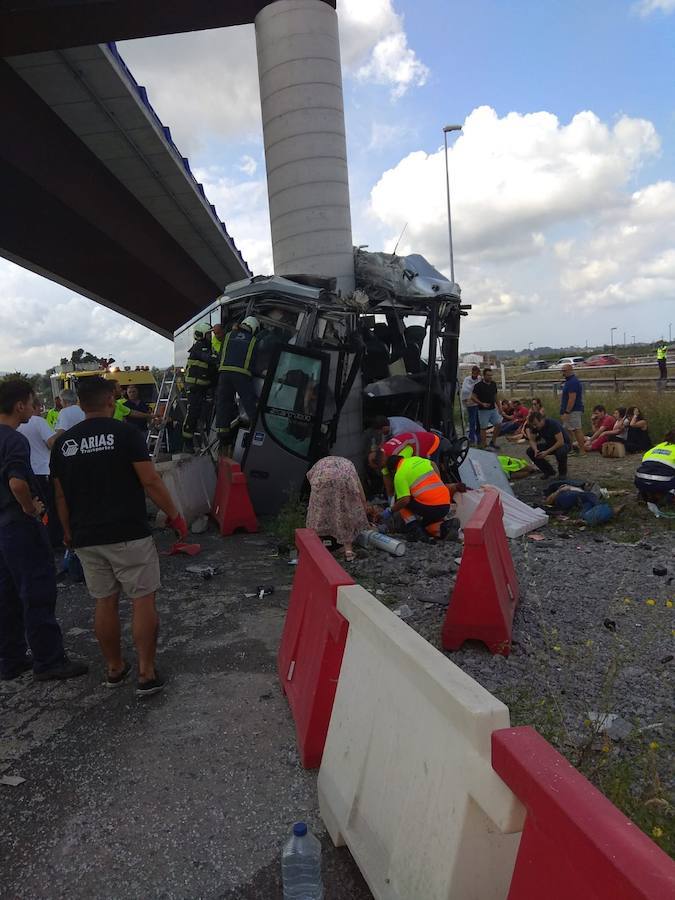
189, 794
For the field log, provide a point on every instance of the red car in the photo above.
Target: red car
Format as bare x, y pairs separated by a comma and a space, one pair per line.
603, 359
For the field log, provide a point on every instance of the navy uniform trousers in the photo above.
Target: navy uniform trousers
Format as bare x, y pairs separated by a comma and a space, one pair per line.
27, 598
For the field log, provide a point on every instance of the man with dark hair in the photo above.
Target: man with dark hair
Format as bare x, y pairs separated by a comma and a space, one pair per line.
101, 472
547, 438
485, 396
27, 574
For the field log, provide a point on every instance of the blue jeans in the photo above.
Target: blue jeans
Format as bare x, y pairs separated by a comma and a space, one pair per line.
27, 598
474, 430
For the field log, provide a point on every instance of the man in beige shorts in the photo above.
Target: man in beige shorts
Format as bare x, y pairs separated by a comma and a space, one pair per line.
102, 472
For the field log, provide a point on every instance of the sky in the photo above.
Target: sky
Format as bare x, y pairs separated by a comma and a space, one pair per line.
562, 179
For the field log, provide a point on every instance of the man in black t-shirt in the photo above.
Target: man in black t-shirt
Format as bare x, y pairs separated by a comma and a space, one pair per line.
27, 573
102, 472
547, 438
485, 397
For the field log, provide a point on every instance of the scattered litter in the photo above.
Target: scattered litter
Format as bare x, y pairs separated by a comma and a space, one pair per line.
536, 536
263, 590
667, 659
442, 602
189, 549
660, 570
293, 562
74, 632
610, 624
200, 525
403, 612
12, 780
614, 726
659, 513
206, 572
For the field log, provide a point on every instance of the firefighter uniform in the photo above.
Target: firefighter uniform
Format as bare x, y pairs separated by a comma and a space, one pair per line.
235, 377
429, 497
200, 375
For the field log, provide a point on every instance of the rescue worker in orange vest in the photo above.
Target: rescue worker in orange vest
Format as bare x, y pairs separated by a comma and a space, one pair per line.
421, 498
410, 443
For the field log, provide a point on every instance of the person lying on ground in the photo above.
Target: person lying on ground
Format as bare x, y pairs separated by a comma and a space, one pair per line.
102, 472
593, 510
516, 469
547, 438
655, 476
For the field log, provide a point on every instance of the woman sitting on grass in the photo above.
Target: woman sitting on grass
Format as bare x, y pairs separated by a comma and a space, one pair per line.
635, 437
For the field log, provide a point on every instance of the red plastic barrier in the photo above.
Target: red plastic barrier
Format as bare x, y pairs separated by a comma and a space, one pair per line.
576, 845
486, 591
232, 507
310, 654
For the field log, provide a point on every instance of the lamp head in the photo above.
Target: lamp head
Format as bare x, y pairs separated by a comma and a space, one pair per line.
447, 128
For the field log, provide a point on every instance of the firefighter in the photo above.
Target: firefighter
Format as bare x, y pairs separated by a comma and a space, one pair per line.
200, 376
421, 498
235, 377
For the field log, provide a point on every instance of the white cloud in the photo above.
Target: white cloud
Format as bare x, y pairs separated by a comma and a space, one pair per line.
517, 182
41, 322
375, 46
248, 165
647, 7
205, 83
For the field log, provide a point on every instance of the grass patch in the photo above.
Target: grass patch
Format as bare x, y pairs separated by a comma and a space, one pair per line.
291, 516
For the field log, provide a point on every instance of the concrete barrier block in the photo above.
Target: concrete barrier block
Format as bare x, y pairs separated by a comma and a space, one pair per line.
406, 779
191, 481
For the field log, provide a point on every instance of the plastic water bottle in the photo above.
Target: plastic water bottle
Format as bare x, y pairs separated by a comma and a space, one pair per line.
301, 865
381, 541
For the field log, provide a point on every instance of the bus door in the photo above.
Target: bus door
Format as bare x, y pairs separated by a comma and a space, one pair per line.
285, 439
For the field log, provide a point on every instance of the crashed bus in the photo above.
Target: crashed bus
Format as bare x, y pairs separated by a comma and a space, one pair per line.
327, 365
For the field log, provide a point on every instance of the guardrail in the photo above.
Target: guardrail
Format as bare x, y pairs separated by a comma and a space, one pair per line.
619, 384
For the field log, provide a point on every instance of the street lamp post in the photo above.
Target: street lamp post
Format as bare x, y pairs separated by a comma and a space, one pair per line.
670, 331
611, 335
446, 130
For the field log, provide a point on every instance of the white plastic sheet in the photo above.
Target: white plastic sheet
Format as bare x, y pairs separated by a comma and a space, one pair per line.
518, 517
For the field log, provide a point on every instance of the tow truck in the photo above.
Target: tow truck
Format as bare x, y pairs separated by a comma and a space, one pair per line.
326, 365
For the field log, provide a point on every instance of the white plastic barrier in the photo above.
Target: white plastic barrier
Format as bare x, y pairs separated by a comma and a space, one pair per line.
191, 481
518, 517
406, 779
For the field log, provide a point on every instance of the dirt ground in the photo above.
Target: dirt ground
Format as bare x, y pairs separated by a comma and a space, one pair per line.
188, 795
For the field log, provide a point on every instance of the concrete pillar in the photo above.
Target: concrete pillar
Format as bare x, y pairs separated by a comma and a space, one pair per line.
304, 134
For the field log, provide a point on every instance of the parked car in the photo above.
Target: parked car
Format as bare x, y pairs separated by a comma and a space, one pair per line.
574, 360
534, 364
603, 359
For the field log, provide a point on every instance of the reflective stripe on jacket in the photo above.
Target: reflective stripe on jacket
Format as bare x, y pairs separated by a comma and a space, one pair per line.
237, 352
200, 368
416, 478
663, 453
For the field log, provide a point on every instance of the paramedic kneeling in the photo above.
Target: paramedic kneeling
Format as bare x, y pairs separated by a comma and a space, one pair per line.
421, 498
